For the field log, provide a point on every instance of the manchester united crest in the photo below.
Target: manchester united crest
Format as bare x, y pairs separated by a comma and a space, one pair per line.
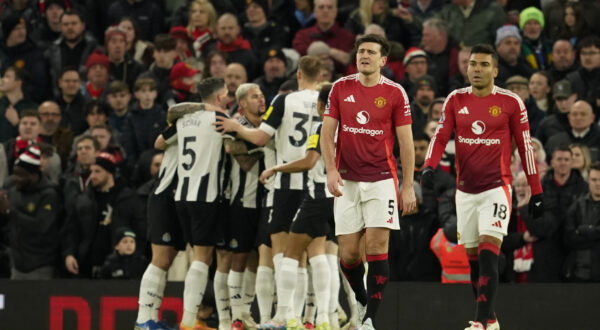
380, 102
495, 111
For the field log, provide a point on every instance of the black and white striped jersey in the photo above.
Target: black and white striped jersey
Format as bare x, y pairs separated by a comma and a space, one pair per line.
317, 183
168, 167
269, 159
246, 190
290, 118
200, 157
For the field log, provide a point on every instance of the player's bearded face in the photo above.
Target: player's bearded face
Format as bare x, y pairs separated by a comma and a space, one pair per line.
481, 70
369, 59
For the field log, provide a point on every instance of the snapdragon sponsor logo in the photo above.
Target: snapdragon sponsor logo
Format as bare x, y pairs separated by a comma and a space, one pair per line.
362, 130
470, 141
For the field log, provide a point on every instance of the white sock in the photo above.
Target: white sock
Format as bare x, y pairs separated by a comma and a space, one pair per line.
351, 300
310, 306
265, 292
334, 289
321, 278
286, 285
193, 291
222, 296
248, 290
234, 283
277, 264
152, 288
300, 294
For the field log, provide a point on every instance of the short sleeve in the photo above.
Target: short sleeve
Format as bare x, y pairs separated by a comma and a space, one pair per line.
401, 109
332, 107
271, 120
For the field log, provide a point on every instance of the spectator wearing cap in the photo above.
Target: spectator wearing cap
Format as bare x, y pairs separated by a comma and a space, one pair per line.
53, 133
97, 69
182, 42
124, 263
424, 92
72, 49
582, 129
231, 42
442, 52
415, 65
12, 103
183, 85
274, 73
261, 32
563, 60
32, 208
49, 29
164, 59
510, 61
201, 25
535, 48
90, 233
147, 13
558, 121
19, 51
71, 100
122, 66
519, 85
326, 29
586, 80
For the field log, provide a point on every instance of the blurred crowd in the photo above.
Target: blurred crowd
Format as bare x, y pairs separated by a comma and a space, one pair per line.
89, 82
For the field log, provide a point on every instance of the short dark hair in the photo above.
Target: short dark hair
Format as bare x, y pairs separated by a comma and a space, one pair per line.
589, 41
67, 69
144, 82
485, 49
385, 45
595, 166
98, 106
164, 42
564, 148
73, 12
421, 136
324, 92
30, 113
87, 137
117, 86
208, 86
20, 74
102, 126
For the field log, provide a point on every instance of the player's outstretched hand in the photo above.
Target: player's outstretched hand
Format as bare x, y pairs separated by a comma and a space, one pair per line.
408, 201
334, 180
224, 125
265, 175
536, 206
427, 177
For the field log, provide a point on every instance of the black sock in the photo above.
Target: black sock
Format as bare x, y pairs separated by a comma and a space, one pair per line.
354, 274
488, 281
474, 264
379, 273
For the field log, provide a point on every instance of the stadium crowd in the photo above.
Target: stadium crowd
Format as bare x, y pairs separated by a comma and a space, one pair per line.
90, 82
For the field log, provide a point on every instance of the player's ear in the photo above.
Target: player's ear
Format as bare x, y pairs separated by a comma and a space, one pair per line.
383, 61
495, 71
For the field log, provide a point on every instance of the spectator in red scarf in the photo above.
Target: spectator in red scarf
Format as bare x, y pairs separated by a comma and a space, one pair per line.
97, 68
231, 42
29, 131
202, 21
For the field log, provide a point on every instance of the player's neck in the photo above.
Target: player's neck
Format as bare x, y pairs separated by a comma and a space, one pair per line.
369, 80
483, 92
303, 84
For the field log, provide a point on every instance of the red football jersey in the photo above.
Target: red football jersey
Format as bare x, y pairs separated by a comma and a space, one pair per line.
367, 119
484, 128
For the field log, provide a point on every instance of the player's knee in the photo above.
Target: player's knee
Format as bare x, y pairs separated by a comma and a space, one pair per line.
377, 246
350, 256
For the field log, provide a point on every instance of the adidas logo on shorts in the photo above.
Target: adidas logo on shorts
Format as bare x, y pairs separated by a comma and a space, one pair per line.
497, 224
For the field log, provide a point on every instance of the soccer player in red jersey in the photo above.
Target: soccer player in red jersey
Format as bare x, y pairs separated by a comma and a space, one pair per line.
486, 119
367, 109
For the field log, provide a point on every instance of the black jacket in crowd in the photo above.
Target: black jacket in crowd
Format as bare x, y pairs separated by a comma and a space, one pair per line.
124, 267
148, 15
141, 129
591, 139
587, 86
73, 114
534, 114
582, 240
126, 71
29, 58
81, 226
272, 35
552, 125
33, 220
56, 60
43, 36
505, 71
